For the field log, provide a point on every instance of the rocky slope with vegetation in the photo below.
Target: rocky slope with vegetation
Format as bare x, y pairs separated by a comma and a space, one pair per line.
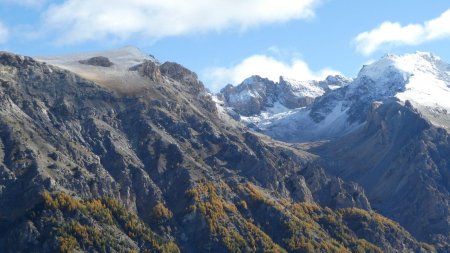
402, 161
148, 163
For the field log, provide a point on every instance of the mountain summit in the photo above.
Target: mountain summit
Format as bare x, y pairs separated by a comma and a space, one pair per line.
421, 78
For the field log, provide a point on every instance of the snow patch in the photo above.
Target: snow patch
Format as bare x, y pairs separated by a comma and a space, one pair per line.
300, 127
304, 88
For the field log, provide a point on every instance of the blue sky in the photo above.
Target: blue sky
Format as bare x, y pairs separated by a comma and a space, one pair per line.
225, 41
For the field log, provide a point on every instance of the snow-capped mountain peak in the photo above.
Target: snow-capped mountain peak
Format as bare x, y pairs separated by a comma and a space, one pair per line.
429, 83
420, 78
340, 105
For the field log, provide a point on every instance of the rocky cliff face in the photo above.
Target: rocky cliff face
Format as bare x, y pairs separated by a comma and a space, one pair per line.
402, 162
97, 167
251, 96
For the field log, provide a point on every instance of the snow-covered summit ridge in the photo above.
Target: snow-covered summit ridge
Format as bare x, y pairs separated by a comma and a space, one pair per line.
122, 58
256, 94
420, 78
116, 76
303, 88
423, 78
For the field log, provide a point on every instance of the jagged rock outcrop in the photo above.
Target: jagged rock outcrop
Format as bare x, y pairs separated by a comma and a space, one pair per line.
179, 73
256, 94
251, 96
149, 69
291, 96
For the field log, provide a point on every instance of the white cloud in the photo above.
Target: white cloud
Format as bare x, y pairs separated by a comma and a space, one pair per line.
394, 34
4, 33
80, 20
264, 66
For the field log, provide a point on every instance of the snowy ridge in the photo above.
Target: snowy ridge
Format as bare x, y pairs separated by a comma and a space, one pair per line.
116, 77
426, 78
257, 95
430, 83
304, 88
123, 58
421, 78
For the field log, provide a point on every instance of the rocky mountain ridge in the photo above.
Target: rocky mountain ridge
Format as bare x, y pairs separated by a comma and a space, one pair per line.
94, 163
256, 94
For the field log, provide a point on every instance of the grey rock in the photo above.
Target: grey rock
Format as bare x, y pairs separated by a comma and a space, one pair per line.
100, 61
149, 69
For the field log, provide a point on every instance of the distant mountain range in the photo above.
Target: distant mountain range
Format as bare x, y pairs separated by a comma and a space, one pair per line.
333, 107
116, 152
387, 129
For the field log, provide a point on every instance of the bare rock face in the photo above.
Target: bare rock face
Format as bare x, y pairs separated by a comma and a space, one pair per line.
334, 191
289, 97
251, 96
149, 69
100, 61
180, 73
